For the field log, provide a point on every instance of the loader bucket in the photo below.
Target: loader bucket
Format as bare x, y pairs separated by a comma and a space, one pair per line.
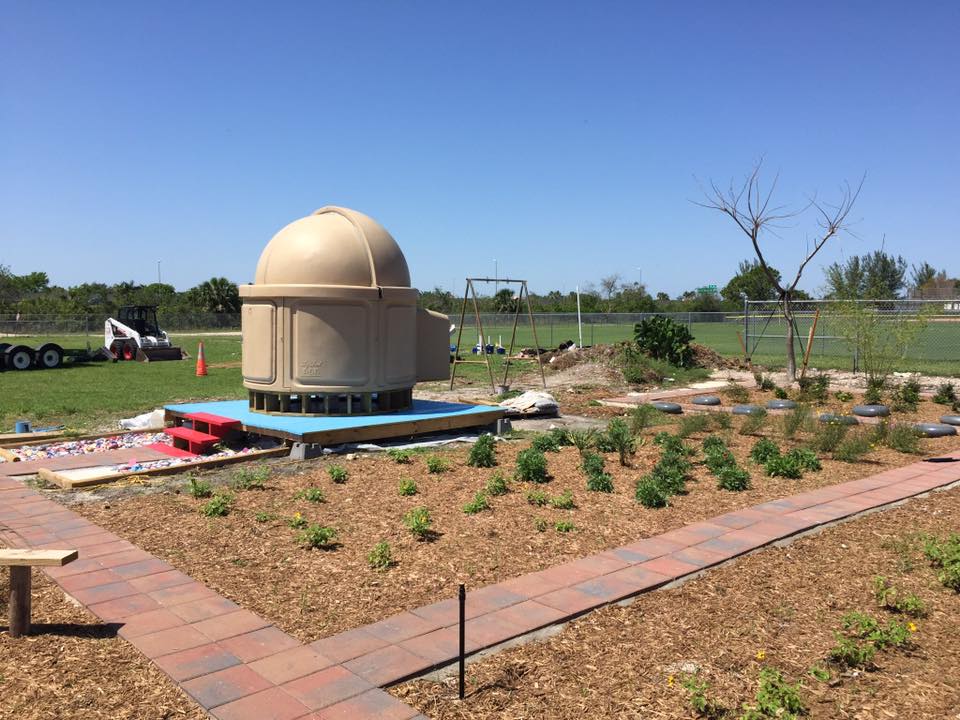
160, 354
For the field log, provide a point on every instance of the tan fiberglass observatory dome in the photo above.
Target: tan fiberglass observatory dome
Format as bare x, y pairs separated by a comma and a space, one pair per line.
331, 325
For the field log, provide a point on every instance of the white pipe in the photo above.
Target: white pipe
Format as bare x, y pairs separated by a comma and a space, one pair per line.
579, 325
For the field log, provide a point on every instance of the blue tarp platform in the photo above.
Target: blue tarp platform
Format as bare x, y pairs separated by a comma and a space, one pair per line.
426, 416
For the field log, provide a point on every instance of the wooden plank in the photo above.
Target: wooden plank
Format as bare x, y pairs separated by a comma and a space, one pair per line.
405, 428
22, 557
19, 438
72, 462
61, 437
8, 456
68, 483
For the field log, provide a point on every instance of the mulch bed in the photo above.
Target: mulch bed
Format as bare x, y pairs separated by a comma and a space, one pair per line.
776, 608
74, 667
313, 594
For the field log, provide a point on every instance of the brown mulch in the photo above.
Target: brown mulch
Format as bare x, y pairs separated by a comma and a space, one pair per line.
72, 666
313, 594
777, 608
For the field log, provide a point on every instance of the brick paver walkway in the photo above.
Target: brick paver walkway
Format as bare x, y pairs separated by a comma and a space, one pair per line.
239, 666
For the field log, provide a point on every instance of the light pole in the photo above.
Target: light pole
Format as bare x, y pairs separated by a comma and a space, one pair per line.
158, 272
496, 277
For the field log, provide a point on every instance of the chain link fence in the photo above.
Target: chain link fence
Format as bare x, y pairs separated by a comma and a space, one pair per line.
921, 335
90, 327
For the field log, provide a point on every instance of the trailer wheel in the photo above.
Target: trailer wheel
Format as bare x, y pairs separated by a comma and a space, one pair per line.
19, 357
129, 351
49, 356
3, 355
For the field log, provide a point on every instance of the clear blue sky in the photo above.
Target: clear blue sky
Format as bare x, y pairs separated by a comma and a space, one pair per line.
562, 139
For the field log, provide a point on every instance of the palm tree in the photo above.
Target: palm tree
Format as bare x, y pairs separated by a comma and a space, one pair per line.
218, 295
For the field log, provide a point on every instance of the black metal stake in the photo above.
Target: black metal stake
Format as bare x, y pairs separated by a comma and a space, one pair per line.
463, 643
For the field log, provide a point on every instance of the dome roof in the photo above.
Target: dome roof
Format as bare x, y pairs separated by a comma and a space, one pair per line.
333, 246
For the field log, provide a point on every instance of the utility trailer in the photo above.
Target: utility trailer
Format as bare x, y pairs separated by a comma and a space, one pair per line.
15, 356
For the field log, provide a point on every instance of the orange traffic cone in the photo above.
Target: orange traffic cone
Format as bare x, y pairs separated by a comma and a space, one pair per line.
201, 362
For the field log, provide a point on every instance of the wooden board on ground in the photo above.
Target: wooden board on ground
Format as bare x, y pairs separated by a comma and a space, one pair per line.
30, 558
69, 483
70, 462
23, 438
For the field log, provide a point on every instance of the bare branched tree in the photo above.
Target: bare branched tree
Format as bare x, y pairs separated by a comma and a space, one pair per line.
610, 285
752, 209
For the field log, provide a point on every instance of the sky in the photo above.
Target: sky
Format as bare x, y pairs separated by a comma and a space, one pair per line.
554, 141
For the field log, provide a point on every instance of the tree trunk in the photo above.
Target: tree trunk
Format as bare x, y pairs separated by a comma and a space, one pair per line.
788, 316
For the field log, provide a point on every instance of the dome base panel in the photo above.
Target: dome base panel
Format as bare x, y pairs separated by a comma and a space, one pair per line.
335, 403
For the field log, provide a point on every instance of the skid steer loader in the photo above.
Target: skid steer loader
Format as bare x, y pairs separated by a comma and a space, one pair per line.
135, 335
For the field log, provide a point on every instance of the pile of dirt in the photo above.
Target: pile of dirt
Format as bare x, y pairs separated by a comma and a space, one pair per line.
561, 360
706, 357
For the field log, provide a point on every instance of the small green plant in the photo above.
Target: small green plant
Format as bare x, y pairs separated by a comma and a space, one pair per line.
317, 537
583, 440
564, 526
621, 439
736, 393
807, 459
297, 521
815, 388
906, 398
852, 653
874, 392
436, 464
262, 517
650, 494
380, 558
779, 393
785, 466
829, 435
251, 478
866, 627
775, 698
763, 382
903, 439
945, 556
406, 487
692, 424
796, 420
703, 705
563, 501
400, 456
598, 480
478, 504
545, 442
338, 473
733, 478
200, 488
852, 449
892, 598
764, 450
843, 396
820, 673
540, 524
670, 473
643, 417
419, 522
496, 485
946, 394
753, 422
537, 497
713, 443
722, 420
672, 444
483, 453
217, 506
310, 494
532, 466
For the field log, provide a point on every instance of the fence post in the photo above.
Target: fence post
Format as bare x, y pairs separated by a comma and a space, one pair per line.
746, 327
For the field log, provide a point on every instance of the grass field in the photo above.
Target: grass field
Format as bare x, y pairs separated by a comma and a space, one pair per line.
92, 395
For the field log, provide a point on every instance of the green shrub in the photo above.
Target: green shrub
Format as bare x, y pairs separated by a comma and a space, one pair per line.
583, 440
262, 517
418, 521
753, 422
251, 478
722, 420
796, 420
561, 436
564, 526
874, 392
866, 627
815, 388
380, 558
736, 393
537, 497
478, 504
484, 452
311, 494
407, 487
851, 653
650, 494
719, 458
892, 598
714, 442
563, 501
775, 698
545, 442
786, 466
400, 457
843, 396
317, 536
829, 435
297, 522
621, 439
904, 439
671, 473
598, 480
691, 424
662, 338
200, 488
945, 556
532, 466
733, 478
702, 705
217, 506
779, 393
806, 459
852, 449
436, 465
906, 398
946, 394
540, 524
338, 473
672, 444
643, 417
763, 450
496, 485
763, 382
